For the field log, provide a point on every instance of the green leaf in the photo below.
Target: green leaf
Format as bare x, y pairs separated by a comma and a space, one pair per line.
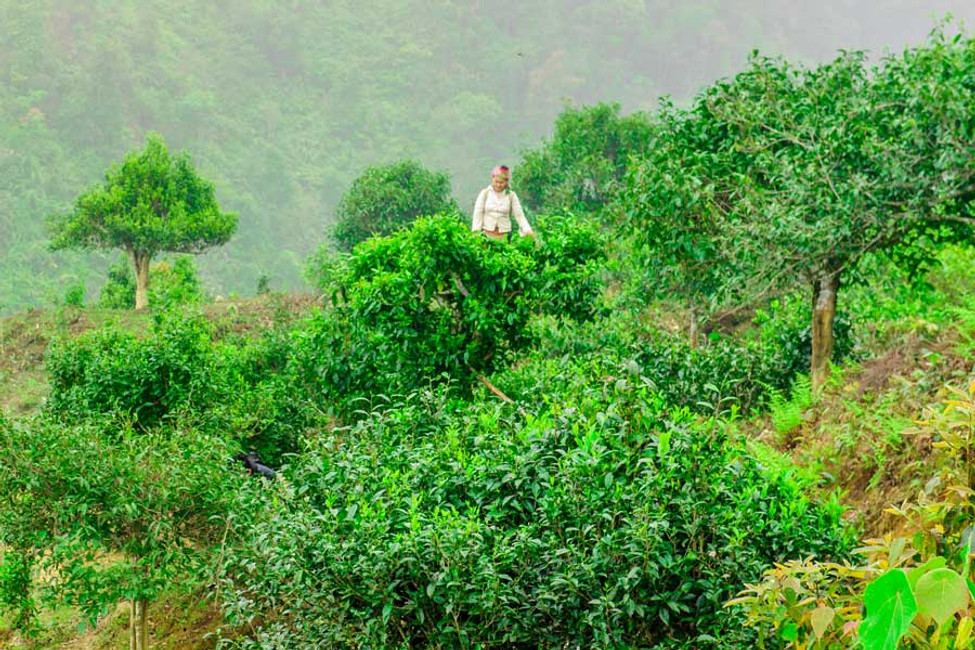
663, 443
790, 632
890, 609
941, 593
915, 574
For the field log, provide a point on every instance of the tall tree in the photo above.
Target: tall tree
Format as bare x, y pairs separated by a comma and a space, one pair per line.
153, 202
845, 160
812, 168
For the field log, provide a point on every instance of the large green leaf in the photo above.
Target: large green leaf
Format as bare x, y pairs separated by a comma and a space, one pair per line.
890, 609
941, 593
915, 574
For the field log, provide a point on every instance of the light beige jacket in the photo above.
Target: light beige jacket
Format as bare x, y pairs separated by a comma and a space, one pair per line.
493, 211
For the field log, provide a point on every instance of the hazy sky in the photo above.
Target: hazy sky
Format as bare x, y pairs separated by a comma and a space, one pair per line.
810, 30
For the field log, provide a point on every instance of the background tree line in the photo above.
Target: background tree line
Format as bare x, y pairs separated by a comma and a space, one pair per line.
282, 105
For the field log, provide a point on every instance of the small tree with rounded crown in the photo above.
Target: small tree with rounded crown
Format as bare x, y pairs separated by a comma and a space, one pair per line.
152, 202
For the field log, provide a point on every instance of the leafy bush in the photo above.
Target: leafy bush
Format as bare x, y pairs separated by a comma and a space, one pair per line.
16, 588
569, 266
171, 284
740, 370
178, 374
439, 301
174, 283
614, 522
387, 197
74, 296
150, 508
110, 372
119, 289
578, 170
916, 588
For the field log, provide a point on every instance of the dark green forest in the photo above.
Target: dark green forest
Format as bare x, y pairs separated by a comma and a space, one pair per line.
282, 105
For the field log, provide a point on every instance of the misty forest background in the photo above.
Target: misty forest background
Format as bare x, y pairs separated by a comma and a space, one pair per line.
283, 104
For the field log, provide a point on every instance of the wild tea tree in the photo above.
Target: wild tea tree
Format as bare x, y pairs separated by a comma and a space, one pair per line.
796, 173
115, 516
153, 202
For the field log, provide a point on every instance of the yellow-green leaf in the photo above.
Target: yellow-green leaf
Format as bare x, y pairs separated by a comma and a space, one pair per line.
821, 619
941, 593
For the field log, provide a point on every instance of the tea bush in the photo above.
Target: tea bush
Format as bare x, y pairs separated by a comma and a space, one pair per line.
174, 283
709, 378
171, 283
237, 388
614, 522
111, 372
438, 301
119, 289
111, 514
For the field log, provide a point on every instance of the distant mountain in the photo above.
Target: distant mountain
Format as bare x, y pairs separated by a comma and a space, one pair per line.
282, 104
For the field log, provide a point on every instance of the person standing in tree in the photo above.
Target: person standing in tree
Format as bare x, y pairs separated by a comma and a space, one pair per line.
495, 206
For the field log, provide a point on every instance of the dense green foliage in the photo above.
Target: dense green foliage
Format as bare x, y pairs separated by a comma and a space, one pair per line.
597, 513
283, 106
74, 494
112, 372
386, 198
580, 168
613, 522
172, 282
236, 389
119, 289
514, 444
789, 174
440, 301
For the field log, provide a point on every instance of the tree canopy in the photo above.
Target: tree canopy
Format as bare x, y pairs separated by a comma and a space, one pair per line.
387, 197
792, 174
152, 202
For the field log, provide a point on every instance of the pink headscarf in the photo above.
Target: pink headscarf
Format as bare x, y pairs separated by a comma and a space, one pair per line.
500, 170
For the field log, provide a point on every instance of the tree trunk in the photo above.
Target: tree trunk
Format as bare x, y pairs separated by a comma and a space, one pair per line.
139, 625
693, 327
140, 260
825, 288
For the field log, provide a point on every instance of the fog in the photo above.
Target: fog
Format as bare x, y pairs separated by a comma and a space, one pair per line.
283, 104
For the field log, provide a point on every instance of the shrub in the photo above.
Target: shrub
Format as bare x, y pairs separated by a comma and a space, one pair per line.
569, 266
237, 388
438, 301
74, 296
110, 372
614, 522
119, 289
149, 508
387, 197
740, 370
172, 284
